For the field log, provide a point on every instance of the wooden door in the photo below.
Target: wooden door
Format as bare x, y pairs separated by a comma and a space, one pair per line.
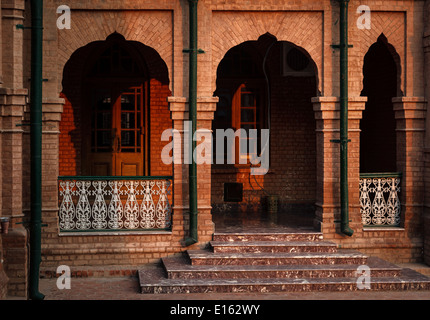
118, 132
129, 129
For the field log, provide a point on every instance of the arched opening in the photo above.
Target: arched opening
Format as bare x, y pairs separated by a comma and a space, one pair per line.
378, 125
116, 109
266, 84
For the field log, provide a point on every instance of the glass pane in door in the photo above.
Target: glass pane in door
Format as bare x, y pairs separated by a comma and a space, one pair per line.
130, 120
102, 123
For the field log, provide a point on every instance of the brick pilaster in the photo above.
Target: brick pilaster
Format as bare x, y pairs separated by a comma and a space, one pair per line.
52, 108
12, 104
410, 114
327, 115
12, 13
179, 112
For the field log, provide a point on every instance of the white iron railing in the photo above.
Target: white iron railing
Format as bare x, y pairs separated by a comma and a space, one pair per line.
114, 203
379, 199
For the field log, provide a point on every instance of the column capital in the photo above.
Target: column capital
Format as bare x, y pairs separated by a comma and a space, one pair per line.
206, 107
410, 107
327, 108
52, 108
12, 102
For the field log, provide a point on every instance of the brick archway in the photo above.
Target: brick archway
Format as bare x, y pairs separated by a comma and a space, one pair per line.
230, 29
381, 83
391, 26
74, 119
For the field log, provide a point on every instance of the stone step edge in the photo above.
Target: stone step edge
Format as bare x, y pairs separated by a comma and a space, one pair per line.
181, 264
266, 258
273, 243
412, 280
243, 235
206, 254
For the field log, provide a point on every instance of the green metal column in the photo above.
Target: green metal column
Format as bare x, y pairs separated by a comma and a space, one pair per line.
192, 101
36, 147
345, 229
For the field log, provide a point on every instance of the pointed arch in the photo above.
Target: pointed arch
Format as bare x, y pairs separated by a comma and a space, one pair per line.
151, 28
382, 42
378, 126
305, 30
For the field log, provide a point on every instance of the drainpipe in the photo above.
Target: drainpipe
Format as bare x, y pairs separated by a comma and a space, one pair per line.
192, 102
36, 147
345, 229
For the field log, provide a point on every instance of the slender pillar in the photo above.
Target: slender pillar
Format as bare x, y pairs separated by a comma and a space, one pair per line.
36, 147
345, 229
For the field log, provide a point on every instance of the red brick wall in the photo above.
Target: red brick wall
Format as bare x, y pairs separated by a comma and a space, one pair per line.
69, 140
159, 121
293, 141
143, 248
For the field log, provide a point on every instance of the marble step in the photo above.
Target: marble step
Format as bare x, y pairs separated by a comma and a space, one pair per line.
154, 281
264, 236
273, 246
179, 267
206, 257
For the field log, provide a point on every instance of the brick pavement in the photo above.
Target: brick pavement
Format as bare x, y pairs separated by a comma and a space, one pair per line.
270, 305
127, 288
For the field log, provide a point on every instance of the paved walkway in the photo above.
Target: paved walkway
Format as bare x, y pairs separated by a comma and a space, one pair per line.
127, 288
113, 292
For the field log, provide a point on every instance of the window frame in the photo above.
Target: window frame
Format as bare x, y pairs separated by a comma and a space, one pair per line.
255, 87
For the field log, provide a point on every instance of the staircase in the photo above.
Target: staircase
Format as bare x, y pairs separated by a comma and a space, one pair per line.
274, 262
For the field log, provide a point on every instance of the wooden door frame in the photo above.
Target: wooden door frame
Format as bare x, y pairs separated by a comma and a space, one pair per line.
111, 84
259, 86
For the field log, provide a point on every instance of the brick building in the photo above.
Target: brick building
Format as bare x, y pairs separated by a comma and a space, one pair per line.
118, 78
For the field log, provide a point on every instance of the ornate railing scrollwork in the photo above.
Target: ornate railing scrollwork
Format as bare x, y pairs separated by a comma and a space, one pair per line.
379, 199
114, 203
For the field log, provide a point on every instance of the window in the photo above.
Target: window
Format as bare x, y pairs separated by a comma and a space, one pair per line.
246, 111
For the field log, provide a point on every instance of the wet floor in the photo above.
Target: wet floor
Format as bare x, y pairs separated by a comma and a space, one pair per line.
263, 222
